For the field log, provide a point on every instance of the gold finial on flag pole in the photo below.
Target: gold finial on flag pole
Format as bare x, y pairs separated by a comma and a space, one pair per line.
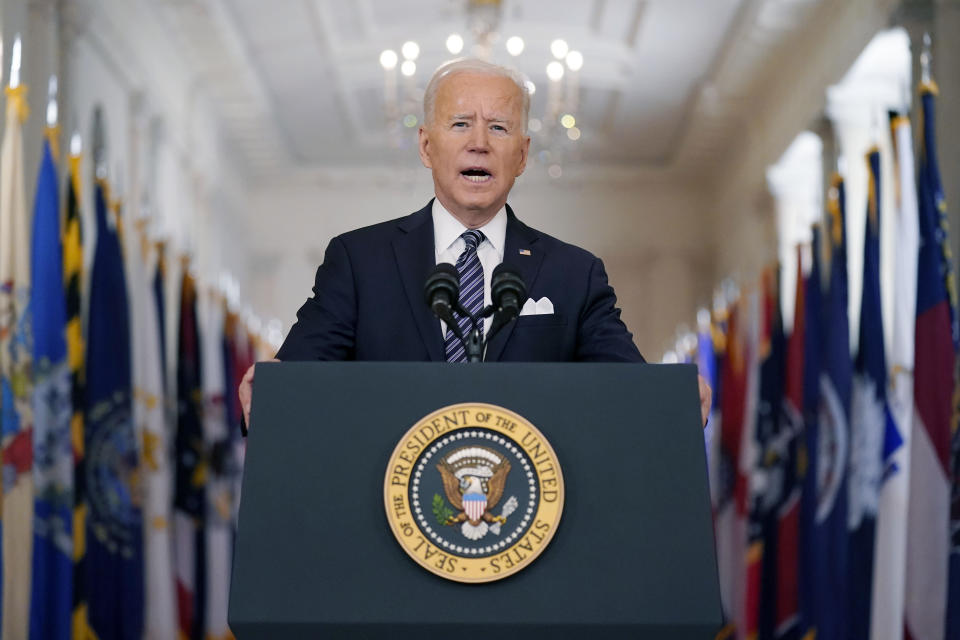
53, 124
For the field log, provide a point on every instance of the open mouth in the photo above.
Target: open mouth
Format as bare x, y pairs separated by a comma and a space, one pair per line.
476, 175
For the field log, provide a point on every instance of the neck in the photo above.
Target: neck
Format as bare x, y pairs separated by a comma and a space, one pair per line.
471, 219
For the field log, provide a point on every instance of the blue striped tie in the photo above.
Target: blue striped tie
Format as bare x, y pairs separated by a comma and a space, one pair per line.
471, 293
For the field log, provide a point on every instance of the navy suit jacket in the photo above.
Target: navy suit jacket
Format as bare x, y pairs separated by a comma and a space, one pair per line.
368, 300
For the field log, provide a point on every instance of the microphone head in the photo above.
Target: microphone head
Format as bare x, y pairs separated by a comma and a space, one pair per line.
442, 287
507, 289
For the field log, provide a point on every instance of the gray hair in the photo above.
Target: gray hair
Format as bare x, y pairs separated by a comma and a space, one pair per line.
474, 65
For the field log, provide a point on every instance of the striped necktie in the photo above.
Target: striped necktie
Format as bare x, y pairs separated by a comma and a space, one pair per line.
471, 293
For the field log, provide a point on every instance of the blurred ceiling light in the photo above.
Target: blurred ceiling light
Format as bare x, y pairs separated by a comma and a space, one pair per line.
559, 48
567, 121
515, 45
531, 88
409, 121
555, 171
454, 43
573, 133
408, 68
410, 50
15, 64
575, 60
555, 71
388, 59
534, 125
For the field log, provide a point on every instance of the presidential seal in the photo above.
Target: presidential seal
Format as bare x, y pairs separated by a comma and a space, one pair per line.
473, 492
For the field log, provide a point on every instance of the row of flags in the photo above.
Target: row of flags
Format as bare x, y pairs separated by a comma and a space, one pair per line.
835, 479
120, 483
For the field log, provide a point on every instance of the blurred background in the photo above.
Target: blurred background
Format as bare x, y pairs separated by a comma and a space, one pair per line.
173, 170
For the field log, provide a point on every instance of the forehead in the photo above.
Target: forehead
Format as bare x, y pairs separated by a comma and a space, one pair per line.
468, 92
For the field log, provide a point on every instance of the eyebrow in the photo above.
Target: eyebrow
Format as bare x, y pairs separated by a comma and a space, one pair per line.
470, 116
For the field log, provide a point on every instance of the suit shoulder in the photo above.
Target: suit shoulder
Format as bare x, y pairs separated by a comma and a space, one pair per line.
565, 249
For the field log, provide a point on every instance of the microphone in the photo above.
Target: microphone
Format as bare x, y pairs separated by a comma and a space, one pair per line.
442, 293
507, 291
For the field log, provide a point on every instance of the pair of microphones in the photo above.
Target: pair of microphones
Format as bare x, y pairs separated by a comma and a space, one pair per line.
507, 295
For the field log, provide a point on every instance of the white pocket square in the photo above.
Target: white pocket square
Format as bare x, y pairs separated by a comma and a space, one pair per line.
543, 306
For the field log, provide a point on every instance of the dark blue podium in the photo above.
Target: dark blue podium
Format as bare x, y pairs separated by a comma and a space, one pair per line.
633, 556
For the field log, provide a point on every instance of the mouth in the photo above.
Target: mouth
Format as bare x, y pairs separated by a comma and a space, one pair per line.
477, 175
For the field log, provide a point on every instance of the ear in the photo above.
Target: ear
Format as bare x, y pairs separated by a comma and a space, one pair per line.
423, 142
524, 152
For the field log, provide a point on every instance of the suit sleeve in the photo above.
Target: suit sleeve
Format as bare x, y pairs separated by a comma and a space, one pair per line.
326, 323
601, 334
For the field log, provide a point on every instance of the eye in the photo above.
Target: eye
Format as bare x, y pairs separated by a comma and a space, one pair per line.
499, 127
460, 125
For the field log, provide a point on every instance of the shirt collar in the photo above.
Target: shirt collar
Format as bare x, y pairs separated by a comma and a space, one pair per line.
447, 229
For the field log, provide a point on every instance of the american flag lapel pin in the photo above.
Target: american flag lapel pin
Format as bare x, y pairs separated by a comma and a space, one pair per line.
525, 252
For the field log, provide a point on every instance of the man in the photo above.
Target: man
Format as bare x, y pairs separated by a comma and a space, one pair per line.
368, 297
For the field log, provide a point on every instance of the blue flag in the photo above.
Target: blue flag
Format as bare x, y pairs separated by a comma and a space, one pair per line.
159, 287
830, 447
52, 586
871, 421
807, 469
114, 560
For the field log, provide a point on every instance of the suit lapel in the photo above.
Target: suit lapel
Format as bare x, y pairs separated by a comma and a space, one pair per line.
522, 252
415, 256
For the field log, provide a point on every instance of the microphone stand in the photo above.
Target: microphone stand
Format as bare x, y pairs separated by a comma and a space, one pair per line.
474, 344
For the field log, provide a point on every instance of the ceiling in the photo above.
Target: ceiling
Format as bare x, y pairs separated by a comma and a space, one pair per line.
298, 83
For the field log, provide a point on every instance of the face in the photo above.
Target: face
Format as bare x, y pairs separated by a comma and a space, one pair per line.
475, 144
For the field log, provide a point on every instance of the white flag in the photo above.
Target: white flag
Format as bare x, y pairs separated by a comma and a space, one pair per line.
15, 374
219, 529
160, 614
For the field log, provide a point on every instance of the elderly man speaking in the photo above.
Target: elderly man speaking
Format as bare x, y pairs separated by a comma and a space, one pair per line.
368, 301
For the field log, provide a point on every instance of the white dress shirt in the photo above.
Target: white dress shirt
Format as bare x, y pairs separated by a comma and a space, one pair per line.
448, 245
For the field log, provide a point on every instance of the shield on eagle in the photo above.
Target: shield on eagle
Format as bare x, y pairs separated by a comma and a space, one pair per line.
474, 505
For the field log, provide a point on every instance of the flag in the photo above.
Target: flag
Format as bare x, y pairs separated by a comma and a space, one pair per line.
52, 581
767, 469
113, 566
870, 419
737, 380
890, 554
191, 471
240, 359
707, 367
807, 449
149, 417
785, 451
16, 415
830, 454
159, 295
219, 490
930, 565
73, 283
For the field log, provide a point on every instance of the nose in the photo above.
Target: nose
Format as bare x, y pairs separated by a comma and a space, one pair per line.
479, 140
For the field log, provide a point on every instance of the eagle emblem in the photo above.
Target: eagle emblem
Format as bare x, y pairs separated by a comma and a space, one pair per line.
473, 480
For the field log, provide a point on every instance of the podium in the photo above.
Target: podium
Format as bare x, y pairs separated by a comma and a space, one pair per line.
632, 556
